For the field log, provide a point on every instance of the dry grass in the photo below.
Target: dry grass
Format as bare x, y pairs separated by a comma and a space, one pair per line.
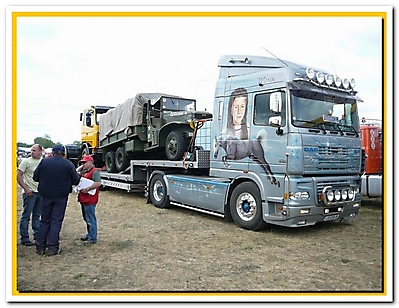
144, 249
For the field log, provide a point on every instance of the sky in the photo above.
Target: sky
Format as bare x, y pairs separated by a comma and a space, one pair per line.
65, 64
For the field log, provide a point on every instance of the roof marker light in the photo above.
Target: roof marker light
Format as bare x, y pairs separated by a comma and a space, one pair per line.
243, 60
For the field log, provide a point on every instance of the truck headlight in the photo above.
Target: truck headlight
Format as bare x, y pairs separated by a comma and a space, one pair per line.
320, 77
329, 79
337, 82
299, 195
310, 73
352, 83
330, 196
351, 193
345, 83
344, 194
337, 195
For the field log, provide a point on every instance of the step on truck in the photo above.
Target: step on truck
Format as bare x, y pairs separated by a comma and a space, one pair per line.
283, 148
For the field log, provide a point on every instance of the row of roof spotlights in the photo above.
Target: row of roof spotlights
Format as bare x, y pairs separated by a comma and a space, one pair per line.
329, 79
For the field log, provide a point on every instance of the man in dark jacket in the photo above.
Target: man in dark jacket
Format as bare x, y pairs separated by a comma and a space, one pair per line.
55, 175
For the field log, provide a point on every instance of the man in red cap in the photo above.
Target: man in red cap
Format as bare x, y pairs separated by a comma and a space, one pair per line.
88, 200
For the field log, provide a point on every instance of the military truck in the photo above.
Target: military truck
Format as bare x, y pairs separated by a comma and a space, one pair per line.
150, 125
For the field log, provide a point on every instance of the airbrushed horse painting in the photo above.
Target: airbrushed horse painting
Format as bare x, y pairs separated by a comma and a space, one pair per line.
236, 149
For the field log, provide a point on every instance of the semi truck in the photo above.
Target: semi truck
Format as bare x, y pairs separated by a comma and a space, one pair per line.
151, 125
371, 132
283, 147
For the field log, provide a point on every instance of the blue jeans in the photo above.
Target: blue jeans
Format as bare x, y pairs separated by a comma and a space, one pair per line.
89, 216
31, 208
53, 212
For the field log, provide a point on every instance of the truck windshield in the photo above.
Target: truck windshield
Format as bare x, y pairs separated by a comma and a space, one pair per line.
178, 104
324, 112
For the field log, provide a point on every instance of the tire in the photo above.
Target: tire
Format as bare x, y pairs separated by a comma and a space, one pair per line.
246, 207
110, 162
175, 145
158, 192
121, 159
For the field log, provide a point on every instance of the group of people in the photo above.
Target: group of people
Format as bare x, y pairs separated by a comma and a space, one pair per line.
46, 184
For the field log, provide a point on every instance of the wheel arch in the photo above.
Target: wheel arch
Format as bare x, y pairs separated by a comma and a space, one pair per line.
166, 129
243, 216
155, 172
86, 146
231, 188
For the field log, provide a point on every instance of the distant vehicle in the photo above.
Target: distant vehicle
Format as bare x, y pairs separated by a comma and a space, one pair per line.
371, 131
72, 152
23, 152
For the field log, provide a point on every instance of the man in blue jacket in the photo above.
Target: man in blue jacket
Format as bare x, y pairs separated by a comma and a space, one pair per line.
55, 175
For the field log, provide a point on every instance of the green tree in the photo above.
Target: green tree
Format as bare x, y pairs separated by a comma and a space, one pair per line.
23, 145
45, 141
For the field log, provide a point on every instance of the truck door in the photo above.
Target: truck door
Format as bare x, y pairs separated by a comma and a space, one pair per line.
268, 144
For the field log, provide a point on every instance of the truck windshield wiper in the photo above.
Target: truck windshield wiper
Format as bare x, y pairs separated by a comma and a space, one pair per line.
351, 129
315, 124
336, 125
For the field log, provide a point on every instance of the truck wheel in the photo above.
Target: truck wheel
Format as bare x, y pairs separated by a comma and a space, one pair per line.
158, 192
175, 146
121, 159
110, 162
246, 207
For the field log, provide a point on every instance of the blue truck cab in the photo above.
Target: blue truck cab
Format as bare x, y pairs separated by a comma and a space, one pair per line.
286, 136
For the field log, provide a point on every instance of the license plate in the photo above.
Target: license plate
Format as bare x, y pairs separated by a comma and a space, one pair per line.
331, 217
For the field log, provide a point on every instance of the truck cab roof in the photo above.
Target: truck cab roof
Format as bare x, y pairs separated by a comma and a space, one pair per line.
255, 61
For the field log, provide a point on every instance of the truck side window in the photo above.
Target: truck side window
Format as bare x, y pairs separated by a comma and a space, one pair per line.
220, 115
262, 112
155, 110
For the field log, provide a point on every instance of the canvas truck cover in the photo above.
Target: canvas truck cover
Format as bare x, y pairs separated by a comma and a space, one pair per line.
130, 113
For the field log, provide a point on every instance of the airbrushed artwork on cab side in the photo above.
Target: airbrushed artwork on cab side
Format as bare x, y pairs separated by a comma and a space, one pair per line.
234, 138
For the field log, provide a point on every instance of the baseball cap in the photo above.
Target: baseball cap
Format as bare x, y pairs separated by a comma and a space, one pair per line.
86, 158
58, 148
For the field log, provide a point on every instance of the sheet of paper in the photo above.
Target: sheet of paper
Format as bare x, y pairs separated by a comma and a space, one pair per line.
84, 183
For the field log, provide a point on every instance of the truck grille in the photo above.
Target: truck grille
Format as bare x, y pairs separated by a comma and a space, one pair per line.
331, 159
